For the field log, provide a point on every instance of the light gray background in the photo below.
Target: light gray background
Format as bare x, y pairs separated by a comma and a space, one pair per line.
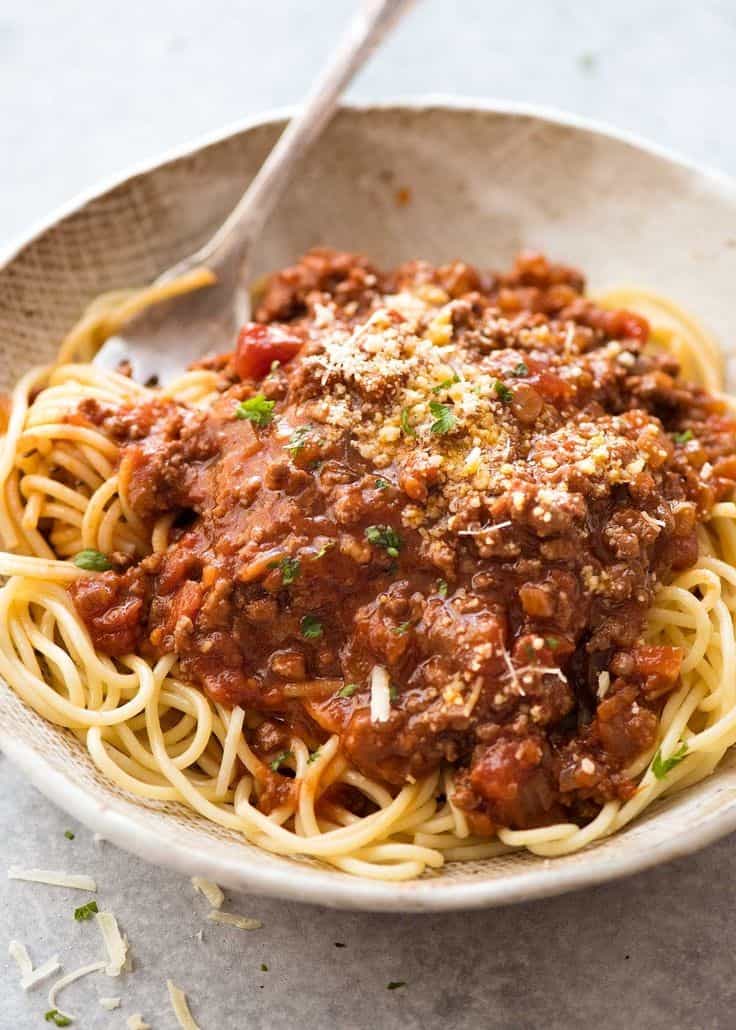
89, 88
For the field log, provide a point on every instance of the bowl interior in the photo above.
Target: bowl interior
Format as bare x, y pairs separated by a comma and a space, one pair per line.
431, 181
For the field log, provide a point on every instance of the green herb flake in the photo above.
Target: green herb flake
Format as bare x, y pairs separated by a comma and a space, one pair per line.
442, 587
68, 834
314, 756
348, 690
324, 549
393, 693
587, 61
446, 384
552, 642
386, 537
297, 440
256, 409
280, 757
406, 425
395, 985
92, 561
444, 418
57, 1018
264, 967
85, 912
684, 437
661, 766
502, 391
382, 484
311, 627
402, 629
274, 366
522, 369
289, 569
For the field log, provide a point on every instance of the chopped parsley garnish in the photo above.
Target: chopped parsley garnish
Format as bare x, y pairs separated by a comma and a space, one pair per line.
85, 911
348, 690
298, 439
442, 587
683, 437
446, 383
264, 967
280, 757
311, 627
522, 369
395, 984
68, 834
386, 537
382, 484
57, 1018
393, 693
402, 628
661, 766
289, 568
324, 549
444, 418
406, 425
274, 365
314, 755
256, 409
92, 561
502, 391
552, 642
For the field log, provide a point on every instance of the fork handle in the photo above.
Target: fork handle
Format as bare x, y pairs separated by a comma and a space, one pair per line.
235, 236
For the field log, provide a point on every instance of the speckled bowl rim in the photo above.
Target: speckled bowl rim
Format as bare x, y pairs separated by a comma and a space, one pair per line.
543, 879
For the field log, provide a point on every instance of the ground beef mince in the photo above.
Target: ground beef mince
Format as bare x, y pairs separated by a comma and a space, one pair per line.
474, 482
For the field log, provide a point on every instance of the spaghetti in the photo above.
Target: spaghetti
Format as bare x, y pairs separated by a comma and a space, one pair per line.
161, 725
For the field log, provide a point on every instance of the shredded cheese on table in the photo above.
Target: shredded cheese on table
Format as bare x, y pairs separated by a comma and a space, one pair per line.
53, 878
49, 967
380, 695
231, 919
30, 976
64, 981
180, 1007
210, 890
115, 945
19, 952
135, 1022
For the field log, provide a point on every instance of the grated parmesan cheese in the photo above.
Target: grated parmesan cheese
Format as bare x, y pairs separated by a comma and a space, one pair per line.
231, 919
604, 682
380, 695
53, 878
115, 945
180, 1007
110, 1003
210, 891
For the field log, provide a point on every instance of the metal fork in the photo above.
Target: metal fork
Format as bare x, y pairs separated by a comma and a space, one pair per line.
163, 339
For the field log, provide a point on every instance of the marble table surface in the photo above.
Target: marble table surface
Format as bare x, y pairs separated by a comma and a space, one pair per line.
91, 88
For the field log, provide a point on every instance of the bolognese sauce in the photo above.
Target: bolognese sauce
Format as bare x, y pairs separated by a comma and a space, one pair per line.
427, 512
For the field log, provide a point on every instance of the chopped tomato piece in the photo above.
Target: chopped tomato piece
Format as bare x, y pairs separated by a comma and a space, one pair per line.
657, 667
259, 346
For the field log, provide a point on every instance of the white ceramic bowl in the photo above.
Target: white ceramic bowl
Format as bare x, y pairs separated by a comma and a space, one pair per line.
484, 181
